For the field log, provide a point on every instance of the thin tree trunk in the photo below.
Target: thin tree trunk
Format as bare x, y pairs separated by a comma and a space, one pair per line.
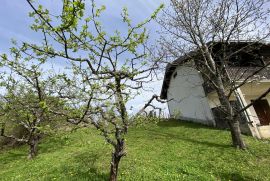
118, 153
119, 147
114, 167
232, 119
33, 149
236, 133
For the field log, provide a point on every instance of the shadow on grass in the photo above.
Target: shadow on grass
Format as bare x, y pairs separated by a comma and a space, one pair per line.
235, 177
45, 145
182, 123
85, 168
207, 143
53, 143
10, 156
188, 139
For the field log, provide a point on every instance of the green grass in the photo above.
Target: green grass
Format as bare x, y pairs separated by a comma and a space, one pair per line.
170, 150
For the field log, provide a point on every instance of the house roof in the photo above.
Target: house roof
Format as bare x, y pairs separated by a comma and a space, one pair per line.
170, 68
241, 73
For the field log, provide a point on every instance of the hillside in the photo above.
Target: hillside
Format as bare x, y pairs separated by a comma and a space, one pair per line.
166, 151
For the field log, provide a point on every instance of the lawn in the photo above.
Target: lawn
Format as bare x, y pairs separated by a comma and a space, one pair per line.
169, 150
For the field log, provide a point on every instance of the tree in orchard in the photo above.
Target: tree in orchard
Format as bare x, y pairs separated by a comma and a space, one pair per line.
110, 67
27, 99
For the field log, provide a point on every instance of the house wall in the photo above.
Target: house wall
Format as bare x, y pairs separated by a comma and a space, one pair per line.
250, 91
214, 102
187, 98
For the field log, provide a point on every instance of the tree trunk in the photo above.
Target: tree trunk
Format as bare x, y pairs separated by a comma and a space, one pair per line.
233, 120
119, 147
118, 153
236, 133
114, 167
33, 149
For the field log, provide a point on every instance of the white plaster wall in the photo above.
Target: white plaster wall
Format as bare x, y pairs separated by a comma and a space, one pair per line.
187, 97
213, 100
253, 113
250, 91
264, 131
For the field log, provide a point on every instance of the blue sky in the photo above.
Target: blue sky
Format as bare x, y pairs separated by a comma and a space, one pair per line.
14, 20
14, 24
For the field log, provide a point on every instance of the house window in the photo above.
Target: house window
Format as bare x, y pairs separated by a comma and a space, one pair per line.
262, 110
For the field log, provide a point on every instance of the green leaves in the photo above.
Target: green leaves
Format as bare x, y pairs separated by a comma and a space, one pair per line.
99, 11
155, 13
125, 16
43, 105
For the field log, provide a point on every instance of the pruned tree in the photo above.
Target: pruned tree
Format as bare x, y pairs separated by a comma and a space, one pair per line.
108, 68
199, 26
26, 98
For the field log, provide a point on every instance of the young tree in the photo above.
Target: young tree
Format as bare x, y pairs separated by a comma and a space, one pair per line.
26, 98
199, 25
109, 68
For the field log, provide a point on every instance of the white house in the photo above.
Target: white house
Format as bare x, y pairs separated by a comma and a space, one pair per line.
191, 98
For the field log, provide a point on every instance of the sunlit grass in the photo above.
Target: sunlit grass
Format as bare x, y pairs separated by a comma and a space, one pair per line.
170, 150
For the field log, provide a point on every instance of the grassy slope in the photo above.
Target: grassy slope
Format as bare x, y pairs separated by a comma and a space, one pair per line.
167, 151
